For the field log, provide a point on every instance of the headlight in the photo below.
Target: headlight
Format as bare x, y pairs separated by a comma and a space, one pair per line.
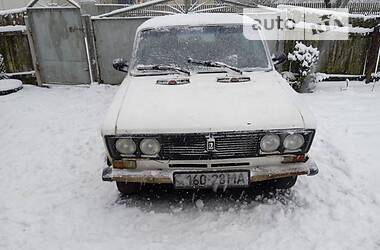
125, 146
294, 141
150, 146
270, 143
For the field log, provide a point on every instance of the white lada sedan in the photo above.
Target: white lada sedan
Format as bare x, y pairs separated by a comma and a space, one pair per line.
201, 106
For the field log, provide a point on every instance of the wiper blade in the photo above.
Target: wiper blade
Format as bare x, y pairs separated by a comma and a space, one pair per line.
214, 64
162, 67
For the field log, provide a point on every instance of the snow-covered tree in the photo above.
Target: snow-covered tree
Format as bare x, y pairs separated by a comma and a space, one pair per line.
303, 58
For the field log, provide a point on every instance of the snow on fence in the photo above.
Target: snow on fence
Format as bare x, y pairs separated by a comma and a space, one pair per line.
105, 8
12, 17
308, 4
164, 9
367, 7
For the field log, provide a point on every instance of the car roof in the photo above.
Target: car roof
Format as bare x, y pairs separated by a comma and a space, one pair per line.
197, 19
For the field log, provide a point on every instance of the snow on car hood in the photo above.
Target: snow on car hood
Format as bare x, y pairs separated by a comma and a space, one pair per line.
205, 105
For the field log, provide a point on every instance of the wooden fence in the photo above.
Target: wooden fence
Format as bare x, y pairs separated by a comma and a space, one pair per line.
14, 44
367, 8
356, 56
15, 49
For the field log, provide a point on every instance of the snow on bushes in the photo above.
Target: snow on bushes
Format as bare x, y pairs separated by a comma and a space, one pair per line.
303, 58
375, 79
319, 77
376, 75
289, 76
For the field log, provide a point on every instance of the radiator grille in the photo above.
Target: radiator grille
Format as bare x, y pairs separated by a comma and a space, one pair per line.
193, 146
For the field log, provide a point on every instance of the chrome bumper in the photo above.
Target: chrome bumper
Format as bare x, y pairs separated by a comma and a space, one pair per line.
165, 176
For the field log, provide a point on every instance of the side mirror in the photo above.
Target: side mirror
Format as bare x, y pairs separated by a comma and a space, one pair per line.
120, 64
279, 59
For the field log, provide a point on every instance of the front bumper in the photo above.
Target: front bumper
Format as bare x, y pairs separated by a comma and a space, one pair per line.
165, 176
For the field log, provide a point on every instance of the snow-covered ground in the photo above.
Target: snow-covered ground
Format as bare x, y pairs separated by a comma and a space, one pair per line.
52, 195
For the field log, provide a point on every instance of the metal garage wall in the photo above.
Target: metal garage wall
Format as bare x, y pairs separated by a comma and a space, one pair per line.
59, 44
114, 39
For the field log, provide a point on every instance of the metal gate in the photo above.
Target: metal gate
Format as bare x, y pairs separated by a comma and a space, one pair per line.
59, 44
114, 39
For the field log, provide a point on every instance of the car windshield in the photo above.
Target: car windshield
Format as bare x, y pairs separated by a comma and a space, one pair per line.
174, 46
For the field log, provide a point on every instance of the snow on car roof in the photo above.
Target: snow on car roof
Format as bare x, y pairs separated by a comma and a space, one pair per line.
195, 20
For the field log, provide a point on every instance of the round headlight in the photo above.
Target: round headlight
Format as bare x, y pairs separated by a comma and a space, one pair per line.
270, 143
294, 141
150, 146
125, 146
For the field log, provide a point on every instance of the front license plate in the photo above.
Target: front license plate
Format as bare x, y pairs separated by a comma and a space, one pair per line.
211, 179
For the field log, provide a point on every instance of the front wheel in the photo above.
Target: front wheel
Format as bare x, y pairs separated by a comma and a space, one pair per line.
128, 188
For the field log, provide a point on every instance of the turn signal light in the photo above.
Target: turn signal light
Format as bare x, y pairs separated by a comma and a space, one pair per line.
124, 164
295, 158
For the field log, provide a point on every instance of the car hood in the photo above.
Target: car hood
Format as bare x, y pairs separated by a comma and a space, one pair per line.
205, 105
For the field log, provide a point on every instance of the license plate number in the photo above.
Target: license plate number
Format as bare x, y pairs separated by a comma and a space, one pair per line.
211, 179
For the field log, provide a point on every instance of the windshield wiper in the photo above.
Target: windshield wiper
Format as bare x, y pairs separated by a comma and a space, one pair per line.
214, 64
162, 67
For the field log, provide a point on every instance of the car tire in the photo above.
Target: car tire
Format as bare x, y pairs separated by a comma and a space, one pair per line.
281, 183
128, 188
284, 183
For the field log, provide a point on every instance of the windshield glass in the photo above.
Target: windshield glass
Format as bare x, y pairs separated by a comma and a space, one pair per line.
175, 45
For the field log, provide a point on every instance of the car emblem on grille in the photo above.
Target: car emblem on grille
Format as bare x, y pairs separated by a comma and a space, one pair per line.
210, 143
